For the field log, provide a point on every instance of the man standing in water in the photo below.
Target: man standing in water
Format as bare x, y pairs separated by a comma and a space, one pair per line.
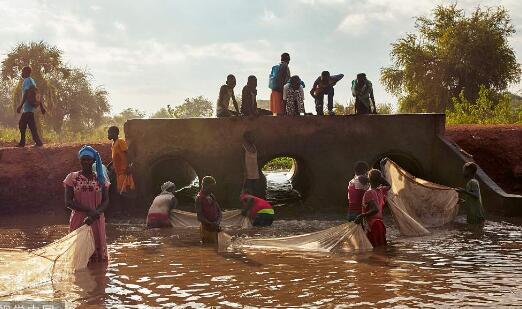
226, 93
362, 90
324, 85
29, 105
209, 213
472, 200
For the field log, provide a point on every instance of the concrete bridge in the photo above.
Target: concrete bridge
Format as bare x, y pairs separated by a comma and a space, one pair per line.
324, 149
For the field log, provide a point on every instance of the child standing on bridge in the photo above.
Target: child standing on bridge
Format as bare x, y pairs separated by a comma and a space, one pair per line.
209, 213
472, 199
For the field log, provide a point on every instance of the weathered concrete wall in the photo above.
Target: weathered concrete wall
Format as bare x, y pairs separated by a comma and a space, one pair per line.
325, 149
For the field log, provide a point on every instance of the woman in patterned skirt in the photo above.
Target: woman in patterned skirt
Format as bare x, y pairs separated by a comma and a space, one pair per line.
86, 195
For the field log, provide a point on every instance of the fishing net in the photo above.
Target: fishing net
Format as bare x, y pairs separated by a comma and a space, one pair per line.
417, 204
345, 237
54, 262
232, 218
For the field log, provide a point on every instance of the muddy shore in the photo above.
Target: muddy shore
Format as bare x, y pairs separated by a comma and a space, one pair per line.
32, 177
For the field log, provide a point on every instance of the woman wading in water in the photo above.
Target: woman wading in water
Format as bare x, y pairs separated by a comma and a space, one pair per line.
86, 195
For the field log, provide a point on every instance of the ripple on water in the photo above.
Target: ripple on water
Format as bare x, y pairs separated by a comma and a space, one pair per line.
454, 266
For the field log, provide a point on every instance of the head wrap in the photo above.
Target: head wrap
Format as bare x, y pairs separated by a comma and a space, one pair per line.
88, 151
168, 186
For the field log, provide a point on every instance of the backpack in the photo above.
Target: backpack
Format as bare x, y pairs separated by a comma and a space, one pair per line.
273, 78
32, 96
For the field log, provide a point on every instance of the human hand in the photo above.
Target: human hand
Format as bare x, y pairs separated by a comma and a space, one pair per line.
88, 220
359, 219
43, 111
19, 109
459, 190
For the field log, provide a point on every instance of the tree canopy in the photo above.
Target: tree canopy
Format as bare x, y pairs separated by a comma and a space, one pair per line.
450, 54
69, 94
191, 108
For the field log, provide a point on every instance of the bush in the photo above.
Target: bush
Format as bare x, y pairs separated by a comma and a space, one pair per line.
277, 164
487, 109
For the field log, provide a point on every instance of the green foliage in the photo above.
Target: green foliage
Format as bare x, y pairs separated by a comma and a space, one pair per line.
340, 109
489, 108
452, 54
197, 107
164, 112
69, 96
120, 119
11, 136
277, 164
193, 108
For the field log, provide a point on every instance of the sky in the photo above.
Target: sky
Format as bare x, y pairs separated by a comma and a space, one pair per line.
150, 53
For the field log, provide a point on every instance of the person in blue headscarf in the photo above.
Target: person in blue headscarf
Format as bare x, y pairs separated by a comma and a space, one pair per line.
86, 195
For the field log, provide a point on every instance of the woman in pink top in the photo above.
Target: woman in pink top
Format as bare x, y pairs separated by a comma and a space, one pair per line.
86, 195
373, 204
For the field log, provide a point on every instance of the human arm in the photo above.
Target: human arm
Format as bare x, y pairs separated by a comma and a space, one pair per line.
247, 202
314, 87
19, 108
474, 190
301, 102
372, 209
173, 203
233, 96
373, 100
42, 108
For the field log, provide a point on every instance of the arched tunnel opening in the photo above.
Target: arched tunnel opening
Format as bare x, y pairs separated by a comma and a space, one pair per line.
286, 181
181, 173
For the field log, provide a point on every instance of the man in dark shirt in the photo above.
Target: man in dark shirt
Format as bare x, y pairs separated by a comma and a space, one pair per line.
248, 97
324, 85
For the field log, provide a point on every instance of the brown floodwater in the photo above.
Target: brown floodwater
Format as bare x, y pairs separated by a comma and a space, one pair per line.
456, 266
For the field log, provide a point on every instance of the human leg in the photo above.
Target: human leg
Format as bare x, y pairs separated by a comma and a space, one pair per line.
22, 126
319, 102
330, 92
34, 131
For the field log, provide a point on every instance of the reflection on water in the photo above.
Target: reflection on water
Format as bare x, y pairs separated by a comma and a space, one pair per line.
280, 191
456, 266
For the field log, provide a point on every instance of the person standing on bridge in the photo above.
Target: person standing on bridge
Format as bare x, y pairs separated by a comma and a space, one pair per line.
279, 76
362, 90
324, 85
226, 93
159, 211
208, 211
293, 97
248, 97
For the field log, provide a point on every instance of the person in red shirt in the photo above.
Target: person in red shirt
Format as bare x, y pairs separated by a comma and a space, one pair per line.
373, 204
260, 211
356, 189
209, 213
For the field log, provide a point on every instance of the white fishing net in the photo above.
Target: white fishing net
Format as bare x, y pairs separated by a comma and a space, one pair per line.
418, 204
55, 262
345, 237
232, 218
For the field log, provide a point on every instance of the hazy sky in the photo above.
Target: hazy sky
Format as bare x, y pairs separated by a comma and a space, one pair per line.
151, 53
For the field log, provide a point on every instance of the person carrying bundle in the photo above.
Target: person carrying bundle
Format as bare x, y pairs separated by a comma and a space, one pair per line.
159, 211
208, 212
373, 204
260, 211
86, 195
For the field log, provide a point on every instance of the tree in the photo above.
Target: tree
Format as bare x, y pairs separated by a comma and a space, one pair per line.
340, 109
164, 112
452, 54
193, 108
128, 113
68, 93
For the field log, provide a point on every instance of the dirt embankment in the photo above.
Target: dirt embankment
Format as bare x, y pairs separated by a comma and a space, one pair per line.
30, 178
497, 149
